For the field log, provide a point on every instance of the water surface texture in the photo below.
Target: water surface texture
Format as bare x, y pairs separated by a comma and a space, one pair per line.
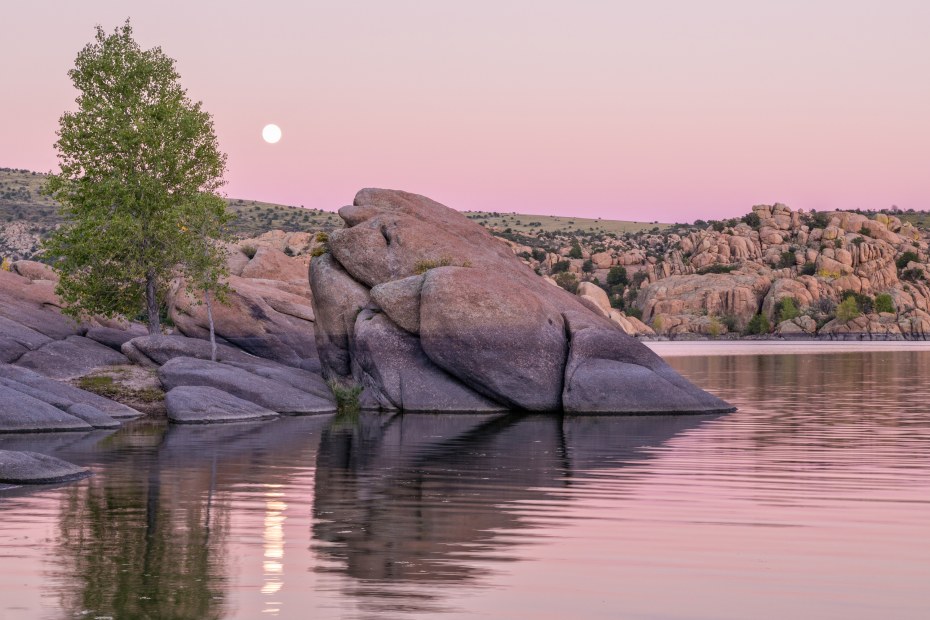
813, 500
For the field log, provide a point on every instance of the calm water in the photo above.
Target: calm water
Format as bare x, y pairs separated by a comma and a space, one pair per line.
812, 501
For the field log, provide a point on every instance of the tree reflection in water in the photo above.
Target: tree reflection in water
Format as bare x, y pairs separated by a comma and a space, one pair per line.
398, 502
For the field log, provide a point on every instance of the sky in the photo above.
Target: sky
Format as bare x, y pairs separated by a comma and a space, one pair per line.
662, 110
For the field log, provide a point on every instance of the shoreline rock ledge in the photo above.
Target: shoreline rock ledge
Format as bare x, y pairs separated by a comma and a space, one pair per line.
427, 311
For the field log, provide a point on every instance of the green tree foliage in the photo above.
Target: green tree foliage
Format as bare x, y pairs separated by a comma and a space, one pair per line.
140, 168
864, 303
588, 266
561, 266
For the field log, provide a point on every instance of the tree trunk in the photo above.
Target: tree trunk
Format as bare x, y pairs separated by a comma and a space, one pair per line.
206, 296
151, 305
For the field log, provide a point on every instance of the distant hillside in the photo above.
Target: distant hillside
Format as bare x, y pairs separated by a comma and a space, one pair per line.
27, 215
528, 223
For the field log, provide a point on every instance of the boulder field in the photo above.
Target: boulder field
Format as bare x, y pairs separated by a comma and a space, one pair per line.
426, 311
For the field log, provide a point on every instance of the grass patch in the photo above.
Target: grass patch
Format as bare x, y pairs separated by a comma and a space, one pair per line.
109, 387
346, 396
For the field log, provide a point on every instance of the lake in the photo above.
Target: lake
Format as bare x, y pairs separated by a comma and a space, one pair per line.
811, 501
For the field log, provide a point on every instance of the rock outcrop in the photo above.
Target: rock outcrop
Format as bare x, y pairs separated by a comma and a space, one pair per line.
22, 467
427, 311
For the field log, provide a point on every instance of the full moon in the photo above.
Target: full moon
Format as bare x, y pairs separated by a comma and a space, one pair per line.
271, 133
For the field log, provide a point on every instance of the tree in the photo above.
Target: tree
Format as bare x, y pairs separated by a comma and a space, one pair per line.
140, 168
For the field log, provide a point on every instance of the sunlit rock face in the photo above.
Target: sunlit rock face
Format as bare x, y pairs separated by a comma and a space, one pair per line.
428, 312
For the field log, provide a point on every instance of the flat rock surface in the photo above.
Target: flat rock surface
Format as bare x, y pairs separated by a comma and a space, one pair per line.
21, 413
206, 405
61, 394
74, 356
156, 350
273, 395
35, 468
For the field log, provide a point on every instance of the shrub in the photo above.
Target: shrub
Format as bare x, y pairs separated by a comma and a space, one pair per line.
634, 312
838, 243
617, 276
752, 219
787, 309
808, 269
568, 281
864, 303
588, 266
539, 254
788, 259
638, 278
346, 396
865, 232
818, 220
249, 250
422, 266
730, 322
884, 303
575, 252
714, 328
657, 323
847, 310
717, 268
758, 325
912, 275
858, 240
904, 259
561, 266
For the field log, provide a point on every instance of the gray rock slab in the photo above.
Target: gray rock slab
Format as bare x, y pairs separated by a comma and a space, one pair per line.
156, 350
74, 356
273, 395
21, 413
92, 416
10, 350
26, 336
303, 380
188, 404
112, 337
610, 372
61, 394
35, 468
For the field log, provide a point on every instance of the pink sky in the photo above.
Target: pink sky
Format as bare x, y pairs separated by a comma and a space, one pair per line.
630, 110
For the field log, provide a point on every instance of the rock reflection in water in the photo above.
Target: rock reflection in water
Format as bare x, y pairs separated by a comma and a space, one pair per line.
421, 498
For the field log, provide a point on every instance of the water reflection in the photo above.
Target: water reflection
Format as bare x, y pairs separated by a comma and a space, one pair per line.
810, 501
398, 499
424, 498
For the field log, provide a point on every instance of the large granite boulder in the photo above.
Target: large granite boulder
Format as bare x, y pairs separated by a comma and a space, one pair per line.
415, 298
34, 468
397, 373
265, 317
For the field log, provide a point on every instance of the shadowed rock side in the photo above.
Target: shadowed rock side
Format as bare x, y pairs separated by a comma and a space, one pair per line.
427, 311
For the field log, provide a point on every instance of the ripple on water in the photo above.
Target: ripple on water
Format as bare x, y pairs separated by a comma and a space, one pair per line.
810, 501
